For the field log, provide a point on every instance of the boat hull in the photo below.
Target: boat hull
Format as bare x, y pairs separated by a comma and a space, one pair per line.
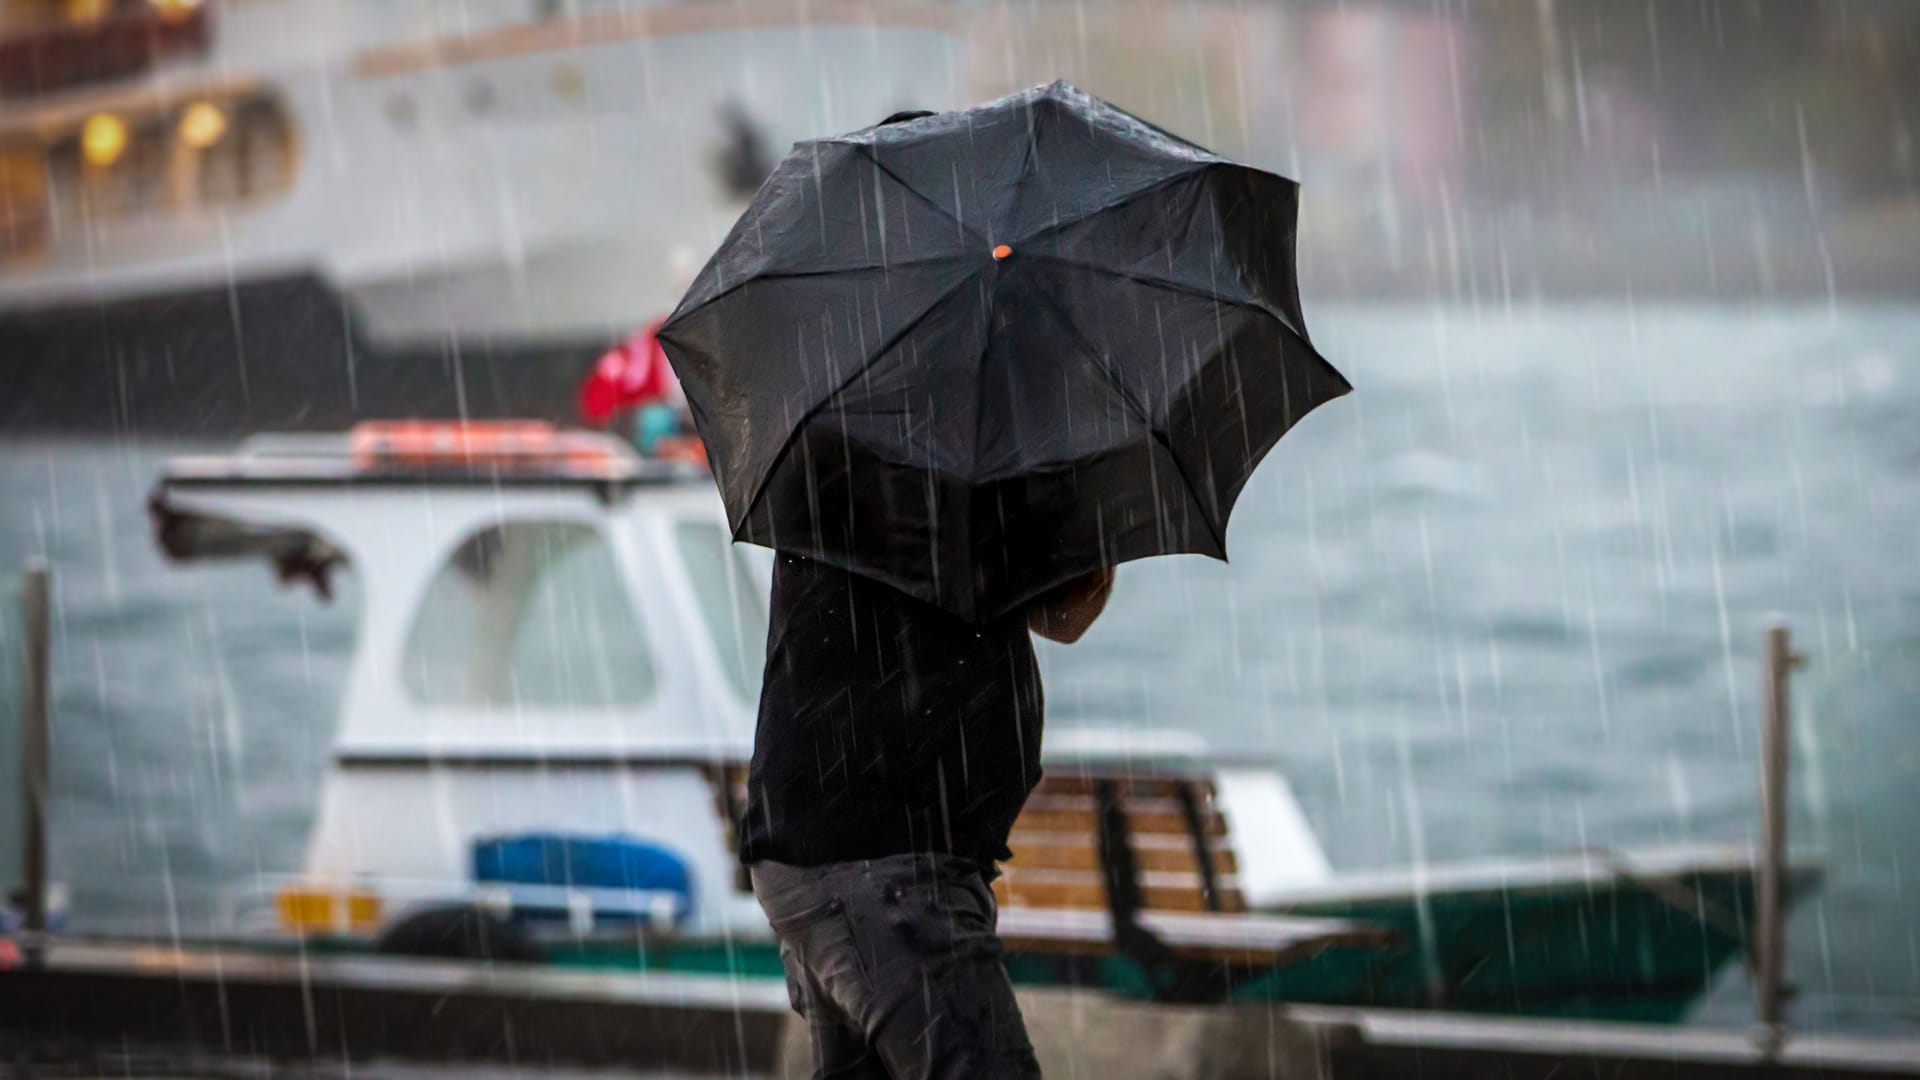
281, 353
1609, 950
1614, 952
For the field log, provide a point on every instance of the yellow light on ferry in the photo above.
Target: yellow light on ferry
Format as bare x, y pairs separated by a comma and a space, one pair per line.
202, 124
175, 9
103, 139
85, 11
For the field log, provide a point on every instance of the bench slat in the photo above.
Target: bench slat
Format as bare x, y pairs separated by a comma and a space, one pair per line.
1219, 846
1139, 823
1133, 805
1068, 890
1127, 786
1066, 851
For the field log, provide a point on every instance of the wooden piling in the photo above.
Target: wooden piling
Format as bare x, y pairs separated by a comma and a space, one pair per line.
35, 612
1771, 904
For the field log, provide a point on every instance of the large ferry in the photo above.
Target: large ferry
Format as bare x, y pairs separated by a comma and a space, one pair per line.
228, 215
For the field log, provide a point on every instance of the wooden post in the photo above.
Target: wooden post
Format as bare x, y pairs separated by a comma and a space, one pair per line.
34, 753
1770, 916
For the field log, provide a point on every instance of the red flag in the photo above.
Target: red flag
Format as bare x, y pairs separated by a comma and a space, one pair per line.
628, 375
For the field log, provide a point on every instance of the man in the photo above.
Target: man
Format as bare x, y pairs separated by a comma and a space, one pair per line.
896, 745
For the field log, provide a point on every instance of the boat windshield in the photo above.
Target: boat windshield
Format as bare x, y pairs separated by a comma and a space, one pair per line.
531, 614
732, 603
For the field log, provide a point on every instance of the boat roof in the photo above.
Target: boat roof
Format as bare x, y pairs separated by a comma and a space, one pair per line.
428, 454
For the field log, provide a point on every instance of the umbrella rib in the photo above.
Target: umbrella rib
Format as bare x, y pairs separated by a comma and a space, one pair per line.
1026, 166
1060, 318
1153, 430
1176, 287
790, 275
866, 152
760, 487
1188, 290
1139, 193
1245, 305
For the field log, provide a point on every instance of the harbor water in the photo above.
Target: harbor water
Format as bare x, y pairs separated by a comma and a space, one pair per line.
1507, 599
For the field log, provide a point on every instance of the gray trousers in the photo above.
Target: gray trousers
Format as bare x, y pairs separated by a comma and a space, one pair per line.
895, 966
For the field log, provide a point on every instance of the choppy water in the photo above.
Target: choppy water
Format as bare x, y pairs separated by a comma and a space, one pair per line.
1507, 599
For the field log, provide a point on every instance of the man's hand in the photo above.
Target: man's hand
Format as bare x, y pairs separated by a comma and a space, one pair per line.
1065, 613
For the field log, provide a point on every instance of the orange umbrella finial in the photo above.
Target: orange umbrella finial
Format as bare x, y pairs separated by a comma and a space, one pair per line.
1001, 252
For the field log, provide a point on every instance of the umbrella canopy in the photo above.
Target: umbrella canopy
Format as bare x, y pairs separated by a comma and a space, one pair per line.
978, 354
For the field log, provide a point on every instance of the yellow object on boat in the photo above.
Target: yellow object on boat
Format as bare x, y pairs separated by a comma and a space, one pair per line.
310, 909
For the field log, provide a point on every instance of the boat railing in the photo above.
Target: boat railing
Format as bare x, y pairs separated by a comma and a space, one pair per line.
424, 451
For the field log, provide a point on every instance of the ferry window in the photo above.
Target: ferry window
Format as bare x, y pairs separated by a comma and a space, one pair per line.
730, 602
234, 152
528, 614
197, 154
23, 202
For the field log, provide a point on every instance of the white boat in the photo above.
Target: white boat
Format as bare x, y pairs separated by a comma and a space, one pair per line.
546, 721
225, 215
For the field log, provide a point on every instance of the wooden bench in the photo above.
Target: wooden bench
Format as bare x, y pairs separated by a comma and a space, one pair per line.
1181, 852
1109, 863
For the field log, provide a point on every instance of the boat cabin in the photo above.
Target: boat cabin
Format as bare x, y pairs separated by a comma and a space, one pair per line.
557, 638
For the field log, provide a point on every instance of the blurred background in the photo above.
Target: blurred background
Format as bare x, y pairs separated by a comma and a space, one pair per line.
1629, 289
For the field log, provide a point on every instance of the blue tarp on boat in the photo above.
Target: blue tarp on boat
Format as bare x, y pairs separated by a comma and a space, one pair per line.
617, 863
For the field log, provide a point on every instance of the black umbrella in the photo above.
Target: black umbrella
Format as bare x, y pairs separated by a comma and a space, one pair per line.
978, 354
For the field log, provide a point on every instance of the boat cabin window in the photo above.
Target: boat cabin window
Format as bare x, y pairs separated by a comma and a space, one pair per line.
528, 614
730, 600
